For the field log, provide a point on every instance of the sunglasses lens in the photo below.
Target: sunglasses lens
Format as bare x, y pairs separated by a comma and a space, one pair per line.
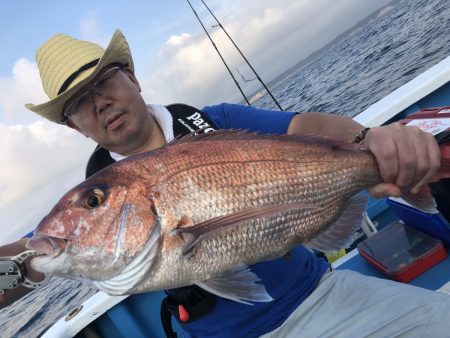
77, 104
85, 100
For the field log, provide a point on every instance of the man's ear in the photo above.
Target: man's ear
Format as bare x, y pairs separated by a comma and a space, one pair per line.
132, 77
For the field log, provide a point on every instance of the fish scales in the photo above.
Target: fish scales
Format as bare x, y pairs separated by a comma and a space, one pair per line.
236, 179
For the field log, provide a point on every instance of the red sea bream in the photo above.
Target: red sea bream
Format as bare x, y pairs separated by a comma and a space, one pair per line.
202, 209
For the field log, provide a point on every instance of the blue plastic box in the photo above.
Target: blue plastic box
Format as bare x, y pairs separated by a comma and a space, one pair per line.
432, 224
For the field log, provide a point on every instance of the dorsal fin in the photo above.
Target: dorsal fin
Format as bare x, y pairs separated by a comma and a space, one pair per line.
237, 134
219, 135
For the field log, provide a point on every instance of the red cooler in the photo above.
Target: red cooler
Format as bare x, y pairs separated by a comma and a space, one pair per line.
402, 252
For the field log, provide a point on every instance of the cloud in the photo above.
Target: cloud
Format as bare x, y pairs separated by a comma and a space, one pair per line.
39, 163
178, 40
23, 87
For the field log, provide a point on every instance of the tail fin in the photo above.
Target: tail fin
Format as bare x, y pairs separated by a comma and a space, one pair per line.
424, 200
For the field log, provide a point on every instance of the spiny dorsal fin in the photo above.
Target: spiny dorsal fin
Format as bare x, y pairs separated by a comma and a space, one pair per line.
236, 134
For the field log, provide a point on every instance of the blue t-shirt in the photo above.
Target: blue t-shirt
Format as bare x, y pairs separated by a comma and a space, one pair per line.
233, 116
288, 281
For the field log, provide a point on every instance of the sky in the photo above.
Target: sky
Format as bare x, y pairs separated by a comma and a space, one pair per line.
174, 62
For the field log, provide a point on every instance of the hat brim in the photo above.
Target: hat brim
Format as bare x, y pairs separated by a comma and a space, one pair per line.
117, 51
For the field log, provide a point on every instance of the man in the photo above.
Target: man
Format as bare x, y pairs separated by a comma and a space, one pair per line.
95, 92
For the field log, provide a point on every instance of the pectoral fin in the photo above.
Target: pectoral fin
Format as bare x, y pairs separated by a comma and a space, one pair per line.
238, 285
192, 235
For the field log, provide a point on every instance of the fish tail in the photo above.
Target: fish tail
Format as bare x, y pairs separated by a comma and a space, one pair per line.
423, 200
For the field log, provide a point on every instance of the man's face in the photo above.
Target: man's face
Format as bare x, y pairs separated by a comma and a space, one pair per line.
111, 111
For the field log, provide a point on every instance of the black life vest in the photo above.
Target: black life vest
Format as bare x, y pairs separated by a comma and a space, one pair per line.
190, 302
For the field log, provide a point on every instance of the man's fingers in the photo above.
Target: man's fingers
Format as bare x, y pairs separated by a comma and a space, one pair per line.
385, 152
431, 160
385, 190
406, 156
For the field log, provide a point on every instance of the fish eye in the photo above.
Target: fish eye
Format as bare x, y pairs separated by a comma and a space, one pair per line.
93, 198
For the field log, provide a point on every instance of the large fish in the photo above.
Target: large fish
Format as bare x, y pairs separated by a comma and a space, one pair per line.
203, 208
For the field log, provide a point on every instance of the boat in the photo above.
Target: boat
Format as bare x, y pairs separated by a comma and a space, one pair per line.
112, 316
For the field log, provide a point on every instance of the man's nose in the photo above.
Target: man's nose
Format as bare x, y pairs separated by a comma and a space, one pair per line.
100, 101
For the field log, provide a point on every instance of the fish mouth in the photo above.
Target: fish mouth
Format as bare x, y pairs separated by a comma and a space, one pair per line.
47, 245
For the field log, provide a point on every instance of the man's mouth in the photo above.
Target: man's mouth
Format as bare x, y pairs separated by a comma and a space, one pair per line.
115, 122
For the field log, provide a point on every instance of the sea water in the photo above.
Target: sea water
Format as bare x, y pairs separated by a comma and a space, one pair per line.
371, 62
362, 68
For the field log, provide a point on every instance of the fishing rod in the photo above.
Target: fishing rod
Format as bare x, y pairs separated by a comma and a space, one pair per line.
218, 52
248, 63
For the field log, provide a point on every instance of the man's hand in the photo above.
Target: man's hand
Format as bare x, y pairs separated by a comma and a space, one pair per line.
408, 158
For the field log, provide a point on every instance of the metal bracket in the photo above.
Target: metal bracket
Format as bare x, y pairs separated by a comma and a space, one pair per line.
13, 272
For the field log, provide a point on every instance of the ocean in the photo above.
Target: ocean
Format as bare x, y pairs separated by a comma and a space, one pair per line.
368, 64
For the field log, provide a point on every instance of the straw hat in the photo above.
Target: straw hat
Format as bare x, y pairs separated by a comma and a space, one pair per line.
66, 64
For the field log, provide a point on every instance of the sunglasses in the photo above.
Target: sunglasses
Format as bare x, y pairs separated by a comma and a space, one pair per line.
85, 101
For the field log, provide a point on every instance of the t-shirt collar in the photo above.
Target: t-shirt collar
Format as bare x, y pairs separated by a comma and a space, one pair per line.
164, 120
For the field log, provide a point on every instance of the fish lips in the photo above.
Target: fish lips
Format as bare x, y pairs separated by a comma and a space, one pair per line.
47, 245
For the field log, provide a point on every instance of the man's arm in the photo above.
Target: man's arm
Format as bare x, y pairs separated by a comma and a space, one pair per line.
13, 249
335, 126
407, 157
